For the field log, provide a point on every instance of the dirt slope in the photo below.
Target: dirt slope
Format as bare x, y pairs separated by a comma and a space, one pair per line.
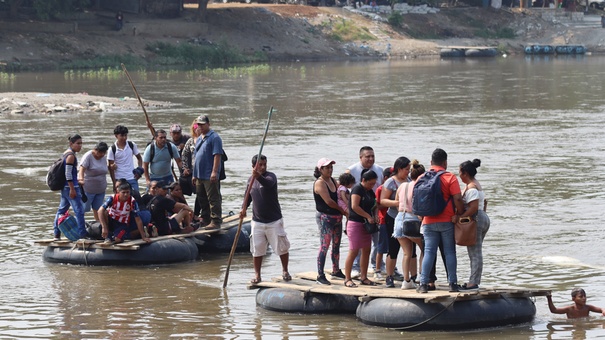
292, 32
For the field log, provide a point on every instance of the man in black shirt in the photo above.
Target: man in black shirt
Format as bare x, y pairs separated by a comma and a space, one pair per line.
168, 216
267, 222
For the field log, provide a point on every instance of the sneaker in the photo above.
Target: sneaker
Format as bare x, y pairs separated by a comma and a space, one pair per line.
108, 241
389, 282
154, 231
432, 287
213, 226
321, 279
423, 288
454, 288
397, 275
466, 287
378, 275
339, 274
413, 278
354, 274
408, 285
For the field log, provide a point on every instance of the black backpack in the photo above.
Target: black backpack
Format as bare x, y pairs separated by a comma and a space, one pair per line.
427, 198
55, 178
152, 151
113, 148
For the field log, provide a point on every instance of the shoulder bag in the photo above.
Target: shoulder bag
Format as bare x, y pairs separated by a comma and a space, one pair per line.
465, 230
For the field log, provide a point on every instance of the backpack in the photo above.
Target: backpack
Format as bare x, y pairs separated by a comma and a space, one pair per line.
113, 147
55, 178
152, 151
427, 197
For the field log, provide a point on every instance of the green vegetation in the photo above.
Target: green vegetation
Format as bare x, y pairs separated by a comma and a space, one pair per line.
46, 9
395, 19
7, 77
230, 72
104, 61
100, 74
345, 30
498, 33
170, 55
190, 54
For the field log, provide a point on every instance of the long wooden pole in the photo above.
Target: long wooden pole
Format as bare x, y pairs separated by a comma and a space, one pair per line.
245, 203
134, 88
149, 125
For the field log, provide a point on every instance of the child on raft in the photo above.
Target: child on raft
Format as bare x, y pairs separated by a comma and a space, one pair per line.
579, 309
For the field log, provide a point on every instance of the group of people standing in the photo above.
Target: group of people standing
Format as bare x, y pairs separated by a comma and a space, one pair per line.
163, 202
384, 197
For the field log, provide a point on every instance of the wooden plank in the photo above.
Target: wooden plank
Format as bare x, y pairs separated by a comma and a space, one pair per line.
305, 282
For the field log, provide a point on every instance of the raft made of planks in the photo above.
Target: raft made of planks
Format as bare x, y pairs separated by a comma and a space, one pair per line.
228, 223
305, 283
401, 309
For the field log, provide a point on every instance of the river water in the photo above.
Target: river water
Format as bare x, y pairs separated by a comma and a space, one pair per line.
536, 124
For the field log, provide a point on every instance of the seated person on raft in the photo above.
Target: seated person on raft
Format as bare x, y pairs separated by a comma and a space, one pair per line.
117, 215
168, 216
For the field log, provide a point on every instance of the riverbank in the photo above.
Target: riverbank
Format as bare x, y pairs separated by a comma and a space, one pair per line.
241, 33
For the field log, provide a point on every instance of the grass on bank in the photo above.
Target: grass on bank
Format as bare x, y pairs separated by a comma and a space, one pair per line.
166, 54
346, 31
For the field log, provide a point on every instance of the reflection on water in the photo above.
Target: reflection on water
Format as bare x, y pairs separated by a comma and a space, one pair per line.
534, 123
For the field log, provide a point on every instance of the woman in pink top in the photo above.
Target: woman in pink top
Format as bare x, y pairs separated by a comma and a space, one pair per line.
407, 225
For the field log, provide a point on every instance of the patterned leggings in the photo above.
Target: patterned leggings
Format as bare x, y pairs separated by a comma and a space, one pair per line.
330, 231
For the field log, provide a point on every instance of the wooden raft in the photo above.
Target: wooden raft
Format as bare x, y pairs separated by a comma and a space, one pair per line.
305, 282
228, 223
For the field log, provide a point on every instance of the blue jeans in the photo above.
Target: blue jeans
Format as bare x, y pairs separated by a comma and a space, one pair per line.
95, 201
134, 184
76, 205
433, 234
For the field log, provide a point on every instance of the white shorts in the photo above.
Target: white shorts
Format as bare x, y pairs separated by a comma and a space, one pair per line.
272, 233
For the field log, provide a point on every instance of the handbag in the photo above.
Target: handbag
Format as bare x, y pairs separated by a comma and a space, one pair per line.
370, 228
465, 231
411, 227
186, 183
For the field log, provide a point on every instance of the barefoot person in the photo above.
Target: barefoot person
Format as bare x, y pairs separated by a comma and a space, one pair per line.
579, 309
267, 222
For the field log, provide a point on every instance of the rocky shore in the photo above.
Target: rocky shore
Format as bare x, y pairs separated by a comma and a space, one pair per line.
57, 103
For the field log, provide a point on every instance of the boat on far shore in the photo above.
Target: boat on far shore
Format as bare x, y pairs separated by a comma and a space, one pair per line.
161, 250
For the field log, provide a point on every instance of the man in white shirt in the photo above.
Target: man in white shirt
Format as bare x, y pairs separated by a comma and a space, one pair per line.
119, 157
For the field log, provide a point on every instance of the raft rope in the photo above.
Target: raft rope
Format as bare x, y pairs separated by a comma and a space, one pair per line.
429, 319
83, 249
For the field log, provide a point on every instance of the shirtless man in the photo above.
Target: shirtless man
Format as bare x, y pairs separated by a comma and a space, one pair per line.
579, 309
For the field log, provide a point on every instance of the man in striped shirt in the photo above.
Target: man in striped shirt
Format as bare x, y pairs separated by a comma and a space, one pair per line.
117, 215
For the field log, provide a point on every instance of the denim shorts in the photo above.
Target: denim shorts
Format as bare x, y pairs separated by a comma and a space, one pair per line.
399, 228
383, 239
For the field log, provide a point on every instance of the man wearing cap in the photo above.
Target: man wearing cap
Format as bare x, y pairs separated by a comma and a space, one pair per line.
206, 171
267, 222
157, 159
120, 162
178, 137
168, 216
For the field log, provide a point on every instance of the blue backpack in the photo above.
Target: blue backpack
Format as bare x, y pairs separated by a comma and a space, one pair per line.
427, 199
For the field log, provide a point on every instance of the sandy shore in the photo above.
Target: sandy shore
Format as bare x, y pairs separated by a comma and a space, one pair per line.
57, 103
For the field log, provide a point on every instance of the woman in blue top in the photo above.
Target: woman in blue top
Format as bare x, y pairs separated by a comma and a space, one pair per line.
71, 195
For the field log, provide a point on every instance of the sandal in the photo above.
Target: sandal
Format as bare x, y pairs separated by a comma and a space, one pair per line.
367, 282
350, 284
255, 280
286, 276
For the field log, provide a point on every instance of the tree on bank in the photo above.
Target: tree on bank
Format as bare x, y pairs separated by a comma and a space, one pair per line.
46, 9
202, 10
